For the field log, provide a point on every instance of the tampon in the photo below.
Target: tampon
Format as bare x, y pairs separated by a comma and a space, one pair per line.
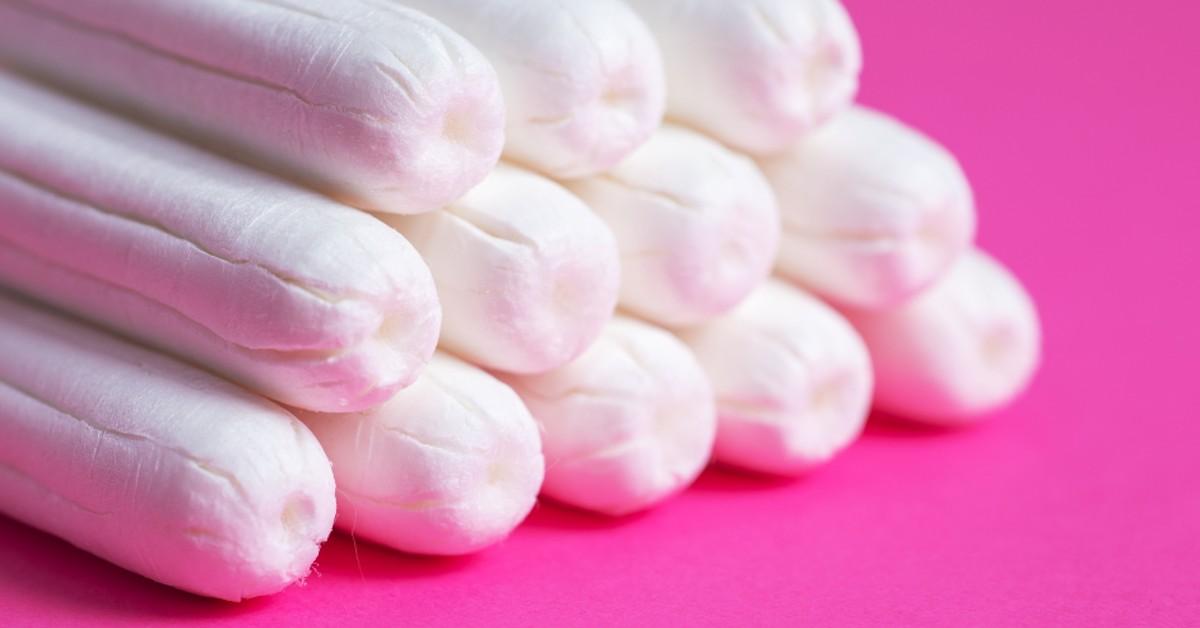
755, 74
297, 297
582, 81
449, 465
526, 274
697, 226
791, 377
380, 107
627, 424
873, 211
963, 348
154, 465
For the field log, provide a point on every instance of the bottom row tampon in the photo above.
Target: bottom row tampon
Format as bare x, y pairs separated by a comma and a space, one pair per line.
963, 348
791, 377
625, 425
191, 481
154, 465
449, 465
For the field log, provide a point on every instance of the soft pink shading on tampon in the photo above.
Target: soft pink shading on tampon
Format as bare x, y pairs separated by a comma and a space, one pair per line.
627, 424
157, 466
873, 211
791, 377
526, 274
965, 347
582, 81
696, 223
379, 106
1077, 123
450, 465
293, 295
755, 74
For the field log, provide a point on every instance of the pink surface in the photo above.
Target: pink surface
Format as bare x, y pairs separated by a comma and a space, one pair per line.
1077, 122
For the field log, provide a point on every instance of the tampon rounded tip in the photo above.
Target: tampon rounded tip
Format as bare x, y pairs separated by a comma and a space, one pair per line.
755, 75
627, 424
697, 226
792, 380
450, 465
296, 517
527, 275
583, 81
873, 211
967, 346
462, 112
617, 110
153, 464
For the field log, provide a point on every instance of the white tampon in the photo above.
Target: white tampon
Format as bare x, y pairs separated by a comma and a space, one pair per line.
791, 377
582, 81
154, 465
872, 210
627, 424
755, 74
696, 223
381, 107
526, 273
292, 295
965, 347
449, 465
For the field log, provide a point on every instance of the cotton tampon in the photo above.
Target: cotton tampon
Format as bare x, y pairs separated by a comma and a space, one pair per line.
791, 377
297, 297
696, 223
755, 74
449, 465
627, 424
872, 210
965, 347
156, 466
582, 81
527, 275
381, 107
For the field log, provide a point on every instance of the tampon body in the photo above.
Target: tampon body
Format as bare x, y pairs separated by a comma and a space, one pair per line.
154, 465
582, 81
791, 377
627, 424
696, 223
872, 210
449, 465
295, 296
381, 107
755, 74
965, 347
526, 273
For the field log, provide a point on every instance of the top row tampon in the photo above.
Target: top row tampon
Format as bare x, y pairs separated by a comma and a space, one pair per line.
380, 106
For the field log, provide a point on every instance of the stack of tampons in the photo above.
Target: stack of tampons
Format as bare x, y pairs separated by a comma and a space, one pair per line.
271, 267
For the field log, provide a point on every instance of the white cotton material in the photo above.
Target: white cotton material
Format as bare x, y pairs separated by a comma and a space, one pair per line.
791, 377
965, 347
697, 226
380, 107
582, 81
873, 211
450, 465
295, 296
627, 424
755, 74
527, 275
154, 465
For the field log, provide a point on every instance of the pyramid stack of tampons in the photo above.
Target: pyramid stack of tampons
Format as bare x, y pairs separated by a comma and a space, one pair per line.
399, 267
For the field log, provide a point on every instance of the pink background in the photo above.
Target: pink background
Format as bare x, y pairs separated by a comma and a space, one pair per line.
1077, 122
